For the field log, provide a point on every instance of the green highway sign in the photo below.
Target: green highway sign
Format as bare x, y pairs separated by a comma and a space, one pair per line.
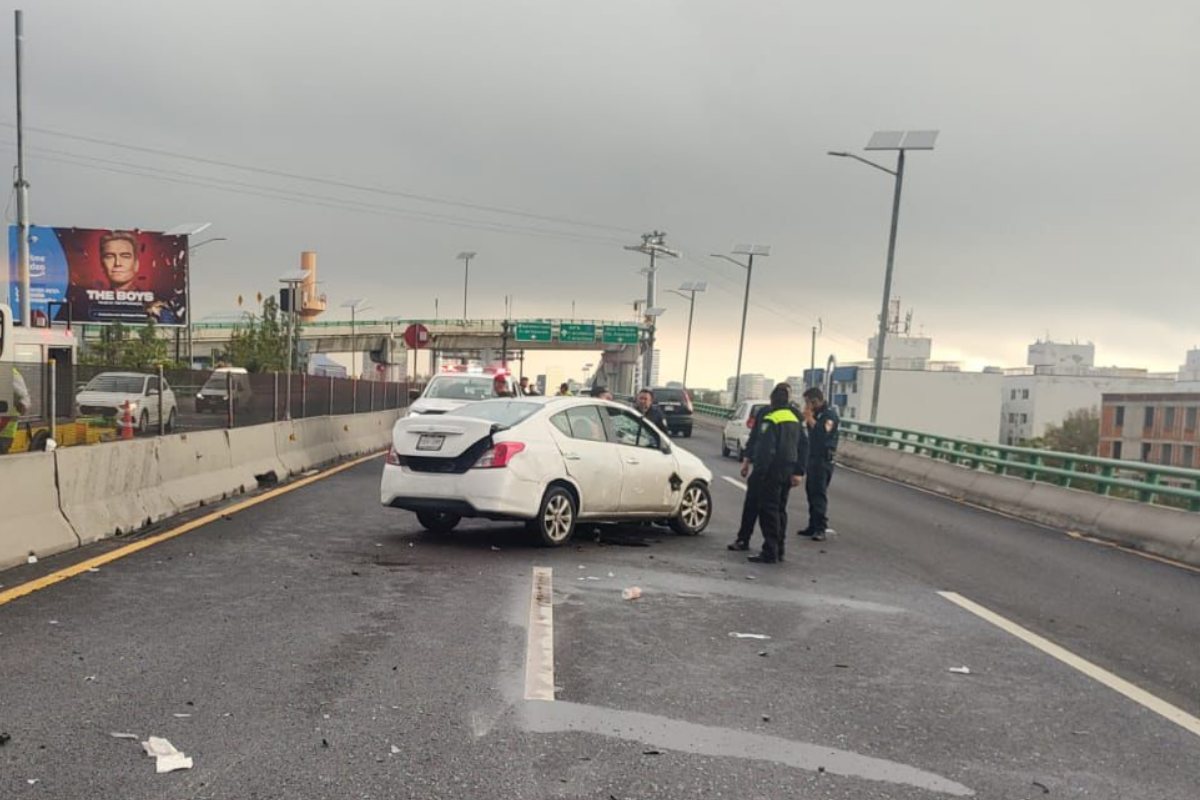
533, 332
576, 332
621, 334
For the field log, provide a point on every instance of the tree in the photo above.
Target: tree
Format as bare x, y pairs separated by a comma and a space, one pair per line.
117, 348
261, 343
1078, 433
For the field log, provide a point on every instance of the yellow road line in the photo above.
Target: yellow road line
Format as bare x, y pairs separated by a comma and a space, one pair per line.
539, 650
45, 581
1096, 673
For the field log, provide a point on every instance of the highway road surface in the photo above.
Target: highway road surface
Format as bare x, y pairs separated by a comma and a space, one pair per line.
315, 645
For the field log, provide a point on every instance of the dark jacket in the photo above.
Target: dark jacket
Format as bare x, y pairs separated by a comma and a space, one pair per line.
778, 445
656, 418
823, 437
802, 443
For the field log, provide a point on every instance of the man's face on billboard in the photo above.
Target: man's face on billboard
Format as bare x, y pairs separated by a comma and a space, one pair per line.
119, 259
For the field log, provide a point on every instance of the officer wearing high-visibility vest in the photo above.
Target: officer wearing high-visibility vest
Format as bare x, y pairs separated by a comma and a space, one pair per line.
823, 429
775, 453
750, 503
18, 405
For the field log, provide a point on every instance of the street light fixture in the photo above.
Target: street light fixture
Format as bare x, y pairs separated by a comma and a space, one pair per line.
355, 306
465, 256
899, 141
750, 251
292, 280
190, 229
691, 287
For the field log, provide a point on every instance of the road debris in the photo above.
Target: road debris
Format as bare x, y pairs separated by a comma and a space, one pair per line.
495, 549
31, 781
167, 758
763, 653
652, 752
760, 636
5, 738
689, 596
307, 473
1045, 789
395, 750
181, 716
960, 670
632, 593
766, 717
133, 736
32, 559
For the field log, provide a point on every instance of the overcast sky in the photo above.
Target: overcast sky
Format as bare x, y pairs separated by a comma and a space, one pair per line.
1063, 196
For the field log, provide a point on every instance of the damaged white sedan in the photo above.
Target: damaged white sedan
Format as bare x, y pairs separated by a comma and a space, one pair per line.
547, 461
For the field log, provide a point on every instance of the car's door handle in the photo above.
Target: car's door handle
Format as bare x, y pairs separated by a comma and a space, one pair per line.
571, 456
632, 461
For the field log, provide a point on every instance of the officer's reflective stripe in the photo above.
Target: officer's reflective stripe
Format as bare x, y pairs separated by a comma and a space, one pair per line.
780, 415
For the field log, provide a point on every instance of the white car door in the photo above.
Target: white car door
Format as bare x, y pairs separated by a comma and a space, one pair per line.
589, 458
649, 477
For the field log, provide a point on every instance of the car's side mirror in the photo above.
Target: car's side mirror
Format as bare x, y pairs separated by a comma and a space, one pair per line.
665, 447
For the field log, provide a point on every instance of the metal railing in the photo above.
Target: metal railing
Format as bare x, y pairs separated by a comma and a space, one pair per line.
713, 411
1177, 487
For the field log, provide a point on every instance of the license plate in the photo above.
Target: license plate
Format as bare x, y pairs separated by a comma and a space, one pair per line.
670, 408
430, 441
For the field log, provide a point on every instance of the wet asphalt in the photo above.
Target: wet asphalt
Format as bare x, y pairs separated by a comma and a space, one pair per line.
319, 646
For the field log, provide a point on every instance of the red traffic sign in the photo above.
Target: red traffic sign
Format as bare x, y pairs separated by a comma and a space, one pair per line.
416, 336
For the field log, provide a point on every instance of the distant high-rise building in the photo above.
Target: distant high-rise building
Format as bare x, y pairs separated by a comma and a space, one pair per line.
752, 386
654, 368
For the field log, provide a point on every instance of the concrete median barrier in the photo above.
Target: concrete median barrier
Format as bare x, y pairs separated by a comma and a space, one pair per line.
1155, 529
196, 469
31, 522
252, 455
359, 434
111, 488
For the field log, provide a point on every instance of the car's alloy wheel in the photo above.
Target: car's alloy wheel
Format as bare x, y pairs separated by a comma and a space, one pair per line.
556, 520
695, 510
438, 521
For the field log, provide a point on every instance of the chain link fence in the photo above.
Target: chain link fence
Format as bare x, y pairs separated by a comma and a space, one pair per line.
78, 405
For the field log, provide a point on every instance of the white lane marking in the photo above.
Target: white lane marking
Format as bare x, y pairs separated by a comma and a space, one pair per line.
1097, 673
539, 651
735, 482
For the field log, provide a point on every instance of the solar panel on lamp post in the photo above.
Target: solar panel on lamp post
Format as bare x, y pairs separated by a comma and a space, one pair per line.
899, 141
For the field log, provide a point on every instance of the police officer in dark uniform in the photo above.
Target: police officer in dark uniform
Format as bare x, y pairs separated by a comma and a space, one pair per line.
823, 425
775, 453
750, 505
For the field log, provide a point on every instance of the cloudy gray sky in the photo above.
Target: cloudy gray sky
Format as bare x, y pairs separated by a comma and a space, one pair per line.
1063, 196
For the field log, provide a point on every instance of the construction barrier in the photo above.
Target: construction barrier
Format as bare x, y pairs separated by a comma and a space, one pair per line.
30, 520
111, 488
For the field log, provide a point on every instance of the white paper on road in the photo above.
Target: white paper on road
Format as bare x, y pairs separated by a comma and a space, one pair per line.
961, 670
167, 758
749, 635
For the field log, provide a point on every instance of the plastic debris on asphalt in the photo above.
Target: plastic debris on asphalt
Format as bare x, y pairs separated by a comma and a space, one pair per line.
395, 750
632, 593
748, 635
166, 757
961, 670
133, 736
32, 559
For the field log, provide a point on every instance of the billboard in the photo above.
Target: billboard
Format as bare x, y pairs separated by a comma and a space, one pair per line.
104, 275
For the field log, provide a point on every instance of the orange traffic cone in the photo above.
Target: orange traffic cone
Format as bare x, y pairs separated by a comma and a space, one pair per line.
127, 422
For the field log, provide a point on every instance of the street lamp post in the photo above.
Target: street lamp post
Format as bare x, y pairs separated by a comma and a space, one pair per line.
652, 245
355, 306
691, 287
466, 256
292, 281
750, 251
899, 141
190, 229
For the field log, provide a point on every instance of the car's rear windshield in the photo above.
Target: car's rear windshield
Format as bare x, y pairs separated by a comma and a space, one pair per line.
502, 412
668, 395
218, 380
461, 387
128, 384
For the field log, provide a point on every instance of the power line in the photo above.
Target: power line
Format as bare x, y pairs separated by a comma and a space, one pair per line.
324, 181
305, 198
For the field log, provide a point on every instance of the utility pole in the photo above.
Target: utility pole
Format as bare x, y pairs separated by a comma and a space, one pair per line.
652, 245
466, 256
22, 186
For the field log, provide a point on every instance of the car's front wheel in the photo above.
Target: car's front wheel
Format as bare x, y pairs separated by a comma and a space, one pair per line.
556, 518
438, 521
725, 451
695, 510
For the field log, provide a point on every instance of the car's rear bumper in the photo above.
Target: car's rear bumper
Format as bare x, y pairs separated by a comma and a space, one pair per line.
489, 493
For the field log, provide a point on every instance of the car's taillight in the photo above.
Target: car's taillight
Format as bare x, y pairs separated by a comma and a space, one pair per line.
393, 457
750, 421
499, 455
687, 401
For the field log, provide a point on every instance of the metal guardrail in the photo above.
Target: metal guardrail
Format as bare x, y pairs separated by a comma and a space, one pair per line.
713, 411
1133, 480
